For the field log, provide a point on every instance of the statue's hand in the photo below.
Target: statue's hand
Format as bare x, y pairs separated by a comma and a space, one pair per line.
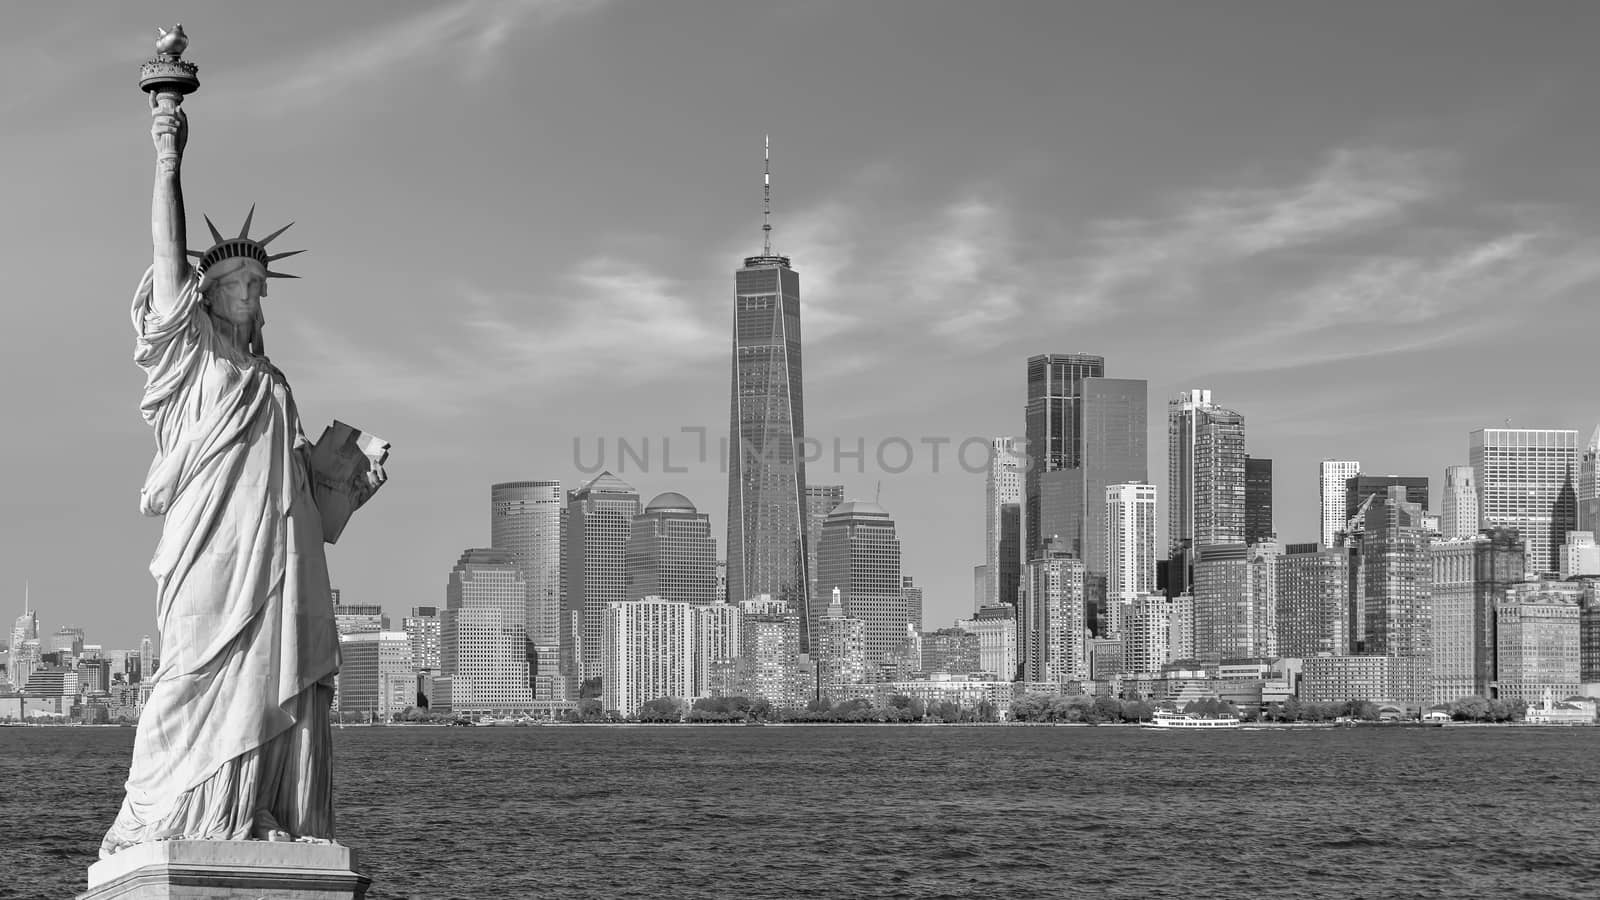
165, 122
376, 476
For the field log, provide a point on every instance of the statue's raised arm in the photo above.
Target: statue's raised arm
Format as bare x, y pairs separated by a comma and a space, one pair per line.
167, 78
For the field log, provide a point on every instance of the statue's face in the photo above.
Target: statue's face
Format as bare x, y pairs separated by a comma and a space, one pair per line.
236, 295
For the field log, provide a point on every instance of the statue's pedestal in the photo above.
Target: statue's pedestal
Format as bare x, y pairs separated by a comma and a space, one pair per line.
228, 870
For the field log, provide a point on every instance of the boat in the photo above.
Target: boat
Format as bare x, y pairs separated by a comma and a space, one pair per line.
1166, 719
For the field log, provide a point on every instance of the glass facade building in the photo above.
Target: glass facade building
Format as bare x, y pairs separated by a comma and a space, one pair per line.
1258, 500
766, 470
1205, 467
671, 554
525, 520
1527, 480
860, 555
599, 526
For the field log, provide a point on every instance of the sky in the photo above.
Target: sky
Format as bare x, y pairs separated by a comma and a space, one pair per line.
1370, 228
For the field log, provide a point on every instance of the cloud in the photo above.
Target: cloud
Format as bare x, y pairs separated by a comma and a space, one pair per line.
463, 37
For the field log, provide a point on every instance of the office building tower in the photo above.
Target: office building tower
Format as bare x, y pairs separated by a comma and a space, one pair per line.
1589, 485
841, 651
1458, 508
1230, 620
66, 642
768, 664
860, 555
483, 638
1397, 583
1358, 488
1054, 426
1589, 639
358, 618
951, 651
1580, 556
1157, 630
820, 500
1333, 479
1002, 521
1313, 601
1527, 481
1130, 547
24, 629
716, 649
913, 597
422, 637
722, 581
148, 662
1537, 634
766, 471
647, 653
1258, 500
1205, 463
996, 628
1055, 648
599, 525
525, 520
1471, 577
375, 678
671, 554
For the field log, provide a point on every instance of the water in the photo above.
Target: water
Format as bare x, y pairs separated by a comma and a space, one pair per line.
881, 811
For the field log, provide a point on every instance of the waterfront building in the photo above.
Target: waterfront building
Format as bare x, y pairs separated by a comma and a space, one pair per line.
1130, 547
1312, 600
422, 642
1334, 476
1459, 506
1579, 555
766, 471
1470, 578
996, 629
1589, 485
1336, 679
951, 651
483, 640
841, 651
1002, 521
376, 678
1056, 651
1359, 487
1205, 462
1258, 500
599, 525
1225, 615
769, 654
1527, 481
527, 520
1398, 588
647, 653
716, 649
1537, 640
820, 500
671, 554
860, 555
1157, 630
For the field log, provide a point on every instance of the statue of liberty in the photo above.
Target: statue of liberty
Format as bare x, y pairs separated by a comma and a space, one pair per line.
234, 743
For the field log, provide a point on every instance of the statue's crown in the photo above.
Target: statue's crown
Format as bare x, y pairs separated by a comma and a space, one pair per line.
243, 247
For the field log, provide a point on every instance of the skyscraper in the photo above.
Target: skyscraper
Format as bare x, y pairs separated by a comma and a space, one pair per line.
1331, 484
1527, 481
1229, 621
1054, 421
1397, 580
1056, 646
913, 595
26, 628
766, 471
671, 554
483, 645
860, 555
1130, 546
1002, 519
525, 520
1257, 500
1589, 485
841, 652
1313, 600
647, 653
1205, 461
1458, 508
820, 500
599, 524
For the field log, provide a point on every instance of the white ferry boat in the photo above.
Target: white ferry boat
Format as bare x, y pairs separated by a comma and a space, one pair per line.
1165, 719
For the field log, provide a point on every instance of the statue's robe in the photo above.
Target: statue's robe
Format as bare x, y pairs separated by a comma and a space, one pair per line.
234, 738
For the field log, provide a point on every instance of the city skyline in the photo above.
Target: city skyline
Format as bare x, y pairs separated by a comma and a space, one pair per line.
1244, 258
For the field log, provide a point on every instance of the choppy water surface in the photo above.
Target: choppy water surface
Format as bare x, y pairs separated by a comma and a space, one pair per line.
656, 812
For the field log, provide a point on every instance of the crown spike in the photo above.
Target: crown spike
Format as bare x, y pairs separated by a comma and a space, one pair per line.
216, 235
281, 275
195, 253
277, 256
244, 232
268, 239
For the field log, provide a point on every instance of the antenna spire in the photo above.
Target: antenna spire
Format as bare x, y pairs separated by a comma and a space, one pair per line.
766, 202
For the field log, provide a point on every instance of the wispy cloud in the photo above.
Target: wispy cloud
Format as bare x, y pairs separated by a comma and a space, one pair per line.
463, 37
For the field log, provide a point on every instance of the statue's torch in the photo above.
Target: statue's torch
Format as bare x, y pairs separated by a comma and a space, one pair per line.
168, 77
